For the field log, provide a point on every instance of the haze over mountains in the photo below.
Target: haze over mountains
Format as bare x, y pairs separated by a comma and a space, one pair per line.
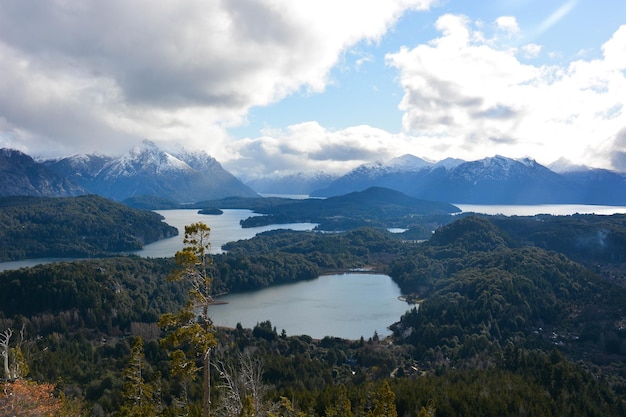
188, 177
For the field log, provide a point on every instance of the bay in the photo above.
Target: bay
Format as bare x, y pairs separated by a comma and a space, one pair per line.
224, 228
347, 305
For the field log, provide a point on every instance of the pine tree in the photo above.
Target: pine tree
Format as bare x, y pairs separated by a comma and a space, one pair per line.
190, 332
137, 394
384, 402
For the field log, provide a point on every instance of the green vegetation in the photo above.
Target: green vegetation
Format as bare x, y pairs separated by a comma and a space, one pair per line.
189, 339
514, 319
85, 226
374, 207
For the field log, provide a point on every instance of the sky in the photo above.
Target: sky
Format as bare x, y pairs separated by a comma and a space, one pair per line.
273, 87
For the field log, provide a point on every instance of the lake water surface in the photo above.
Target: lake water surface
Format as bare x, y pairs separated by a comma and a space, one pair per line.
224, 228
532, 210
346, 305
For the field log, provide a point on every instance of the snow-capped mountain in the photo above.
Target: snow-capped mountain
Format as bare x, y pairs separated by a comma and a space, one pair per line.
494, 180
406, 163
302, 183
397, 174
306, 183
186, 177
501, 180
22, 175
79, 169
148, 170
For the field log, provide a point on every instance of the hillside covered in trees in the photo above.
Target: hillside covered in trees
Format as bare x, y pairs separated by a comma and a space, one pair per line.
85, 226
374, 207
512, 321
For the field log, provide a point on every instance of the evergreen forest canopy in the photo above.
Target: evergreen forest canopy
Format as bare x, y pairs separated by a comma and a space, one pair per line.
518, 316
374, 207
64, 227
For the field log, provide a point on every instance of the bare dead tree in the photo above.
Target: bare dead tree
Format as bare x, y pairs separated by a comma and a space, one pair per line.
5, 345
242, 386
13, 360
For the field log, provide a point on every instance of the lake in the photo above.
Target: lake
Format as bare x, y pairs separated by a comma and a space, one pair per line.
224, 228
532, 210
345, 305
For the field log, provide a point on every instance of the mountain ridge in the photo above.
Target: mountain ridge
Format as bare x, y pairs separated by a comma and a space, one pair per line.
185, 177
492, 180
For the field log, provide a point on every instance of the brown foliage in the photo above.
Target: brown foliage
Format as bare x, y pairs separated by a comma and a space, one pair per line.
23, 398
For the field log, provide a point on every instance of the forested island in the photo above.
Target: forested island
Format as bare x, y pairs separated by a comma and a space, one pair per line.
518, 316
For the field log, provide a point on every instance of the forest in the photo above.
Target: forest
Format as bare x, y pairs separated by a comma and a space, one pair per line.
81, 227
374, 207
513, 316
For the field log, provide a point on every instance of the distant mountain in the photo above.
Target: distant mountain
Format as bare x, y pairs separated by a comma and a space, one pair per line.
185, 177
21, 175
147, 170
398, 174
374, 207
301, 183
599, 186
495, 180
80, 169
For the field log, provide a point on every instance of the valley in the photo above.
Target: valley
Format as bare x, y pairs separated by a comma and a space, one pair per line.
514, 314
504, 301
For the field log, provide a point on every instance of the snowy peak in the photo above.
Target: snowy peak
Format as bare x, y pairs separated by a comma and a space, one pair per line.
198, 160
499, 169
148, 170
407, 163
493, 180
448, 163
22, 175
563, 165
146, 158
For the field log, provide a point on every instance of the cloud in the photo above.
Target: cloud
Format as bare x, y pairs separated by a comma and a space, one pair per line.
531, 50
507, 24
309, 146
84, 75
473, 98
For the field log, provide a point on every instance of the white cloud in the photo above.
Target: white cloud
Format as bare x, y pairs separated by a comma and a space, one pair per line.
507, 24
309, 146
84, 75
473, 100
531, 50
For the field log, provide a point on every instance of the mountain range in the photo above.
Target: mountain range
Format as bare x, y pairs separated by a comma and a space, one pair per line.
184, 177
190, 177
494, 180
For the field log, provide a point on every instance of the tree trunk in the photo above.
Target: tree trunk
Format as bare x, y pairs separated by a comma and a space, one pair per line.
5, 339
207, 384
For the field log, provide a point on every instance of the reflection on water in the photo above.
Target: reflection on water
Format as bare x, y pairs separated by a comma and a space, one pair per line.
344, 305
